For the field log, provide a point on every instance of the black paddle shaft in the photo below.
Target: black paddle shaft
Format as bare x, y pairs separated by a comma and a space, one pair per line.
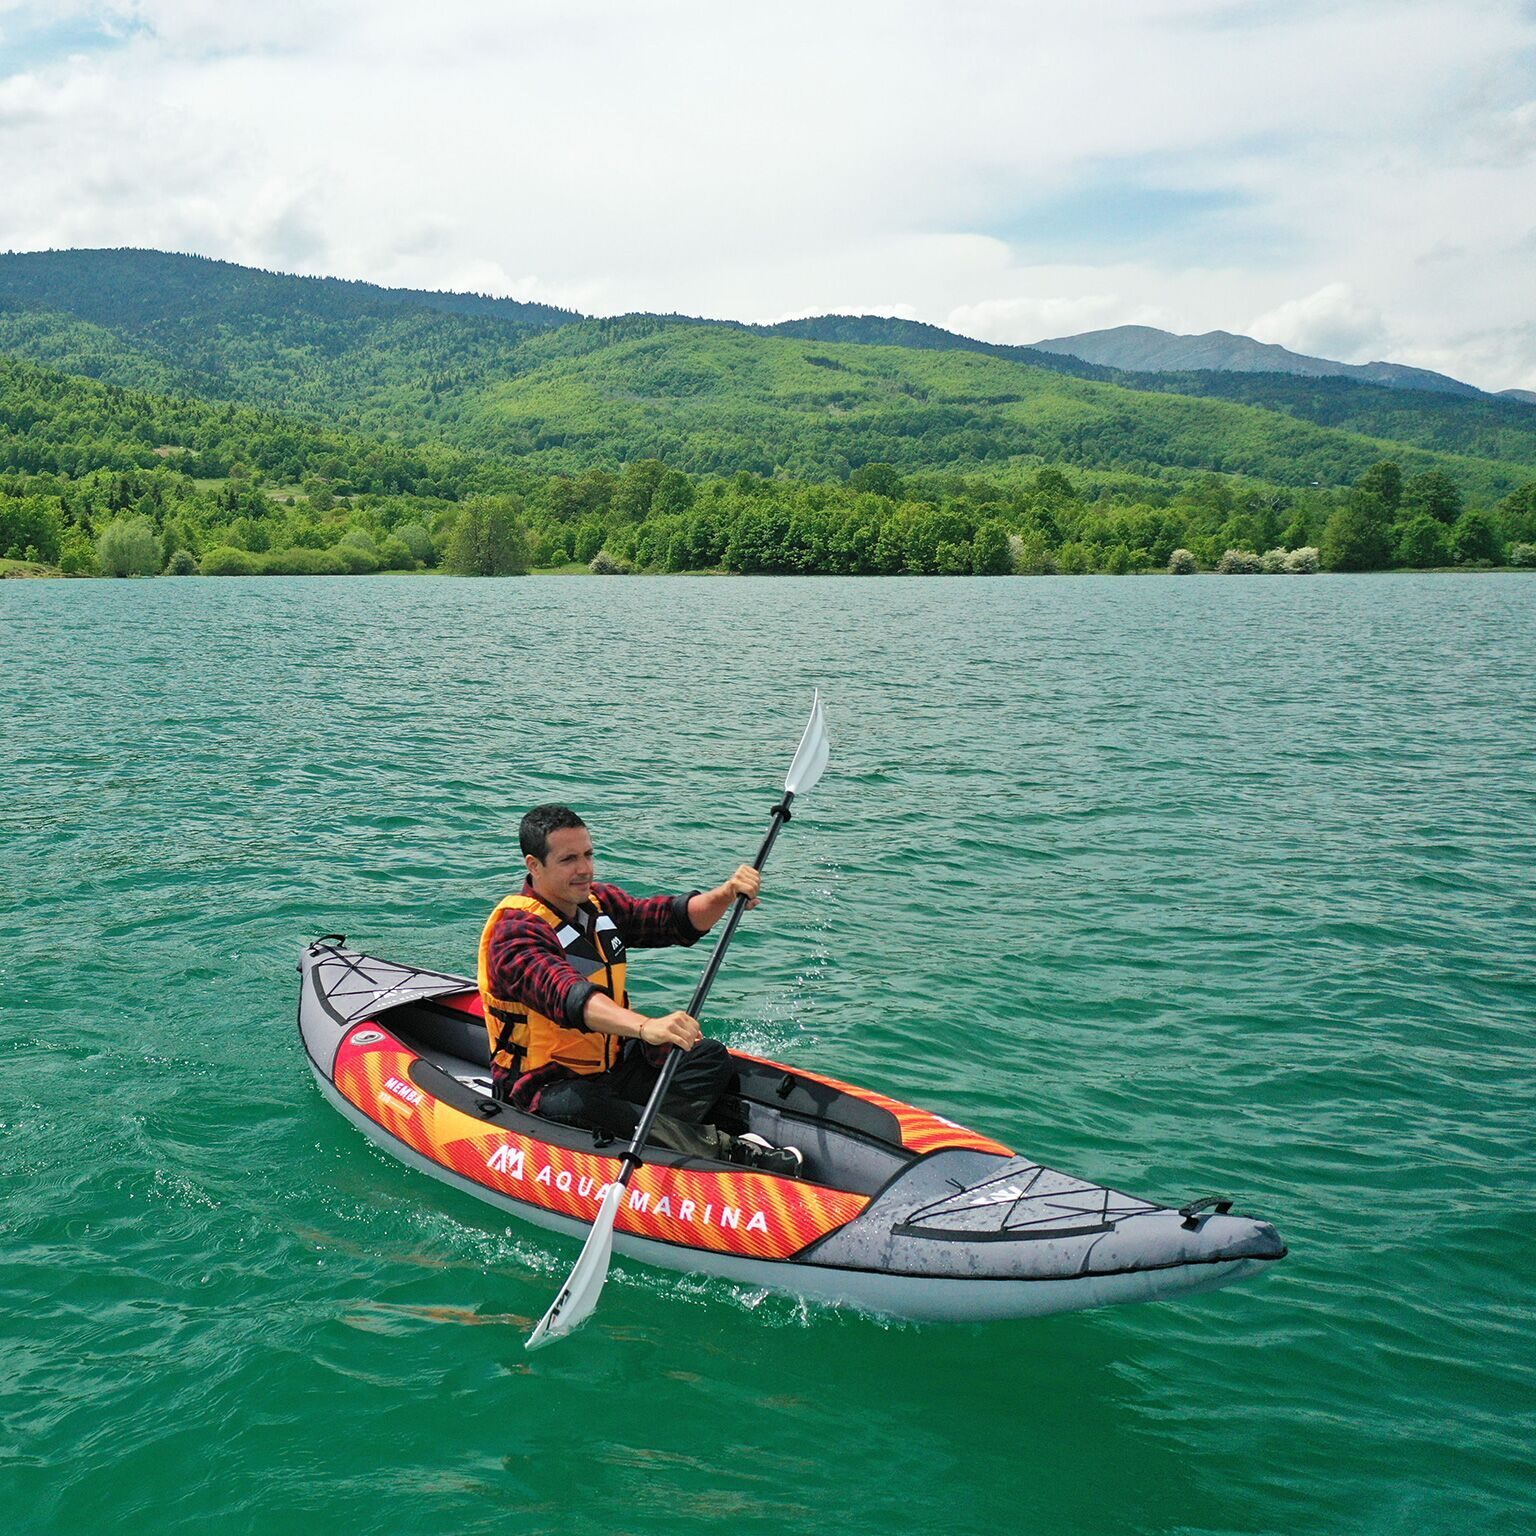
706, 981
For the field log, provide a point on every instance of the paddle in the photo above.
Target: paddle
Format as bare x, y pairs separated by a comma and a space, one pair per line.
578, 1298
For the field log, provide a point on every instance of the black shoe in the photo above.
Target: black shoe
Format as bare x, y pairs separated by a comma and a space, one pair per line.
730, 1115
756, 1152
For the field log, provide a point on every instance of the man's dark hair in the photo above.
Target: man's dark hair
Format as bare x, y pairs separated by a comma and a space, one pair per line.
533, 834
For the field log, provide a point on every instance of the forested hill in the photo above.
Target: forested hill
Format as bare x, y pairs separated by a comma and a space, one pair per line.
52, 423
813, 399
886, 331
1479, 426
1459, 420
137, 289
712, 399
390, 361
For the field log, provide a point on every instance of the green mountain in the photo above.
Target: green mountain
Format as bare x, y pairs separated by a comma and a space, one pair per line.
138, 290
886, 331
1469, 423
710, 399
391, 361
808, 399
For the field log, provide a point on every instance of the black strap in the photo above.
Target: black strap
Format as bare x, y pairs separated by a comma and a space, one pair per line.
505, 1045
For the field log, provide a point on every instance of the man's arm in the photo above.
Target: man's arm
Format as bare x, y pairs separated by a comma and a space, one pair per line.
610, 1018
706, 908
653, 922
649, 922
528, 966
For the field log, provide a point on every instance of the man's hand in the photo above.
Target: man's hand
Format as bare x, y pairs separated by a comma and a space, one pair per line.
705, 910
745, 882
679, 1029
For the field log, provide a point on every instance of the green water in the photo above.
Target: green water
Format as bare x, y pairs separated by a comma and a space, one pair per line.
1189, 886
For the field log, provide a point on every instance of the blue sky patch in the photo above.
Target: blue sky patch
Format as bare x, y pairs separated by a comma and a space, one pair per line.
1118, 217
31, 40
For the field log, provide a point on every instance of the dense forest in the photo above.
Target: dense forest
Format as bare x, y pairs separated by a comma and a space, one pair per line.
708, 400
97, 479
1486, 427
1479, 425
193, 416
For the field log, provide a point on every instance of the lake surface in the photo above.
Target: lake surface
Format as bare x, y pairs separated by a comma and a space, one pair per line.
1187, 886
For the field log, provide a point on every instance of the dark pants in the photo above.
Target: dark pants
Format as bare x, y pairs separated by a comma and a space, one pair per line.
613, 1101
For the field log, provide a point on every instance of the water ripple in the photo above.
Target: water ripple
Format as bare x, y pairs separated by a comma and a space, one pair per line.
1182, 885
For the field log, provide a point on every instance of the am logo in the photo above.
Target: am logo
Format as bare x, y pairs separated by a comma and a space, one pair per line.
507, 1159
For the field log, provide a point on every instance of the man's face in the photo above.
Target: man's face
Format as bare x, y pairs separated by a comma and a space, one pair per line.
565, 876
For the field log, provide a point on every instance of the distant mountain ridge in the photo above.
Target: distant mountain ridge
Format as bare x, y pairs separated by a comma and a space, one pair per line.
813, 398
1145, 349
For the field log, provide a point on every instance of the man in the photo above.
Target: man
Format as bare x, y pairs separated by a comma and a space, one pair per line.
564, 1041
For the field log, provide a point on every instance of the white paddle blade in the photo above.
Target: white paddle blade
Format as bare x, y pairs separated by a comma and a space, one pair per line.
578, 1299
811, 755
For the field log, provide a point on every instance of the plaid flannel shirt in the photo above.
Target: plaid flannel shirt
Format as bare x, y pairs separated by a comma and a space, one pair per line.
528, 966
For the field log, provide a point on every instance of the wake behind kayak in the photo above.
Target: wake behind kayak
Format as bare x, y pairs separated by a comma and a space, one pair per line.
898, 1211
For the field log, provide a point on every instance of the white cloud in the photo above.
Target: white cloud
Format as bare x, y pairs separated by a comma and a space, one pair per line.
743, 162
1329, 323
1021, 321
1509, 139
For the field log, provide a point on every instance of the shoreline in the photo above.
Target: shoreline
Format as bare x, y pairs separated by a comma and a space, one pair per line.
17, 570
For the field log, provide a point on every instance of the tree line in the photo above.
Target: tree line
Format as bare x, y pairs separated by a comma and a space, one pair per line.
99, 479
650, 517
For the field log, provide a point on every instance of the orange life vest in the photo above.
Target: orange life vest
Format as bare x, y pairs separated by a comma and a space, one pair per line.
523, 1039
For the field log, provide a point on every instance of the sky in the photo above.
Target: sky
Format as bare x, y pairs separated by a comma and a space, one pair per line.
1354, 179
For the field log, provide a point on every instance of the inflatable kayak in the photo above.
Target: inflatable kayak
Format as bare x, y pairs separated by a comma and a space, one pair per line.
898, 1211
